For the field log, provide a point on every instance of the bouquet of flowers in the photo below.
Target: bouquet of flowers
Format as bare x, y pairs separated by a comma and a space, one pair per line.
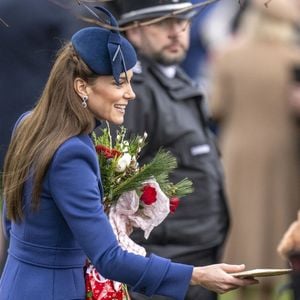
134, 196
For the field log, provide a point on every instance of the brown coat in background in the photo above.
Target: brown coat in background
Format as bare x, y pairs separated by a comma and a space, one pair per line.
259, 142
259, 137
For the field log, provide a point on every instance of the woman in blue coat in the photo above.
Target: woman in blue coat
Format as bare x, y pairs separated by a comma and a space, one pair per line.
53, 191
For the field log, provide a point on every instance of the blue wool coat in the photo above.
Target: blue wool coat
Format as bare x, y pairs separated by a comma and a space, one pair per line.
48, 248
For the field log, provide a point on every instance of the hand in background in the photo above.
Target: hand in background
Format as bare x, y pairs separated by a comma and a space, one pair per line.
289, 246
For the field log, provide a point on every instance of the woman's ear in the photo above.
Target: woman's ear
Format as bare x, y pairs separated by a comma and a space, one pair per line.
80, 87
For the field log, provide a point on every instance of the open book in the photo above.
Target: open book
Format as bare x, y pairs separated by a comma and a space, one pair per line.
261, 273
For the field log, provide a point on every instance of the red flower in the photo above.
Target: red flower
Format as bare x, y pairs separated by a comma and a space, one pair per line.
174, 202
107, 152
149, 195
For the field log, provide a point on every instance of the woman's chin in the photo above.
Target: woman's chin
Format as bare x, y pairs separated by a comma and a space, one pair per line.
114, 120
117, 121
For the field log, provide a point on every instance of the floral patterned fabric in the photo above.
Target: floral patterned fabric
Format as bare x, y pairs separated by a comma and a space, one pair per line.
99, 288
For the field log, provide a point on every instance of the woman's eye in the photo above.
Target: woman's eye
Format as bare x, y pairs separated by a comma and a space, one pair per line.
119, 84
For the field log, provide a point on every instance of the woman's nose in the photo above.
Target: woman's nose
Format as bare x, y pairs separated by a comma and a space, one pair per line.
129, 94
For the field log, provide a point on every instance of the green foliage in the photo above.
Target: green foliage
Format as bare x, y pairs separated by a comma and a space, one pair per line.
162, 164
118, 179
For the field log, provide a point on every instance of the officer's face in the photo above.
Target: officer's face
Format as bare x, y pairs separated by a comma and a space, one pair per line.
166, 42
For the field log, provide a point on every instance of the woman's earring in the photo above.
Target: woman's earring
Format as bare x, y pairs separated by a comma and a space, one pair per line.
84, 99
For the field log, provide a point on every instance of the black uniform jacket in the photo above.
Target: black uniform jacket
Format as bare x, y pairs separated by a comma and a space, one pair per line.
172, 112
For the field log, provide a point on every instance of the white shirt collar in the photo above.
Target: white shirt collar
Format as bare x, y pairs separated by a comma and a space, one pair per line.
168, 71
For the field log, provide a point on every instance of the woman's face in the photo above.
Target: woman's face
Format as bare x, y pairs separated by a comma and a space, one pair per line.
107, 100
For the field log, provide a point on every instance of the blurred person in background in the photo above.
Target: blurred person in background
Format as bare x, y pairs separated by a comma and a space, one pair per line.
210, 28
31, 33
194, 64
259, 136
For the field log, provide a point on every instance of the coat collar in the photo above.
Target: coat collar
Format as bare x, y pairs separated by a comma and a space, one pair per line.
180, 87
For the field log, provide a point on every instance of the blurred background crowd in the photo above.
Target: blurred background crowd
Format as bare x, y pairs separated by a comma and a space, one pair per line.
244, 55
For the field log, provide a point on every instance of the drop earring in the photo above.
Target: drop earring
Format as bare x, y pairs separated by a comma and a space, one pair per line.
84, 100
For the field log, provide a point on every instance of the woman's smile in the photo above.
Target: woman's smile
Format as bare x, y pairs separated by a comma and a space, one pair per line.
121, 107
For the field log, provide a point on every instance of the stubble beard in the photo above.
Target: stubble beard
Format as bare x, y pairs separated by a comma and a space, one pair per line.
166, 59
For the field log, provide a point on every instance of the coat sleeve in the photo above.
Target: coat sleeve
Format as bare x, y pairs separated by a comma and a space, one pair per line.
74, 185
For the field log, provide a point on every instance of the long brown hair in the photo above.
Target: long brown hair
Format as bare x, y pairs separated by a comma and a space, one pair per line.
57, 116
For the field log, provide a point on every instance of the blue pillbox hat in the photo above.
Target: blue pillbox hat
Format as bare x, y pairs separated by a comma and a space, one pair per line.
104, 51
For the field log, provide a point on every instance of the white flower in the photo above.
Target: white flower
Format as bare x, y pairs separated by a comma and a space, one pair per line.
127, 158
123, 162
121, 166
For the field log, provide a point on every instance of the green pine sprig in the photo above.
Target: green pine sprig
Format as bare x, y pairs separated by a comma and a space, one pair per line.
162, 163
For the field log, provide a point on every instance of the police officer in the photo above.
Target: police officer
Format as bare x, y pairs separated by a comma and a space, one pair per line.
172, 111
